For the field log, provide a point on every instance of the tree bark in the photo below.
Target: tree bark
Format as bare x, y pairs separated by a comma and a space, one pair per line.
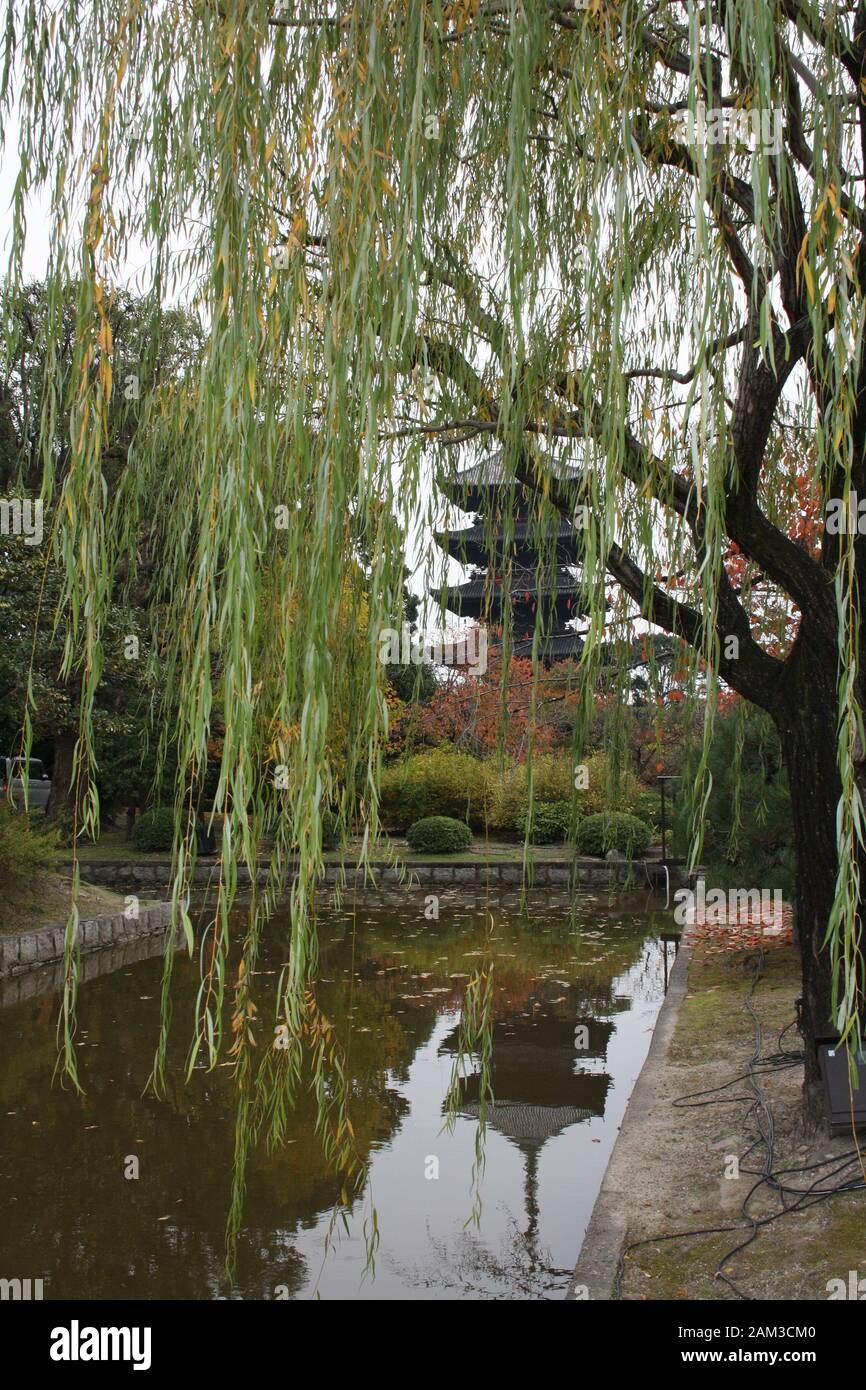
806, 723
60, 800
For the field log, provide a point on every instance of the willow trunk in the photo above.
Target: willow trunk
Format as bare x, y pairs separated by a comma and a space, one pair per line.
806, 722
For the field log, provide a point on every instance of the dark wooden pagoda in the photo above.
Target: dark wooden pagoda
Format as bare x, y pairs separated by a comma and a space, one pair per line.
541, 563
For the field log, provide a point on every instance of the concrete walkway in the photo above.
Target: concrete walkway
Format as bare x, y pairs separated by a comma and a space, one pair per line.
595, 1273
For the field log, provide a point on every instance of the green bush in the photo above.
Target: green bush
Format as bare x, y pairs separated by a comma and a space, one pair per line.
487, 794
438, 782
646, 805
439, 835
330, 829
154, 830
554, 781
551, 822
24, 852
612, 830
508, 795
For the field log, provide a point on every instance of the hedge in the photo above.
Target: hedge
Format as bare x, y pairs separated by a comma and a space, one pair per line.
551, 822
438, 782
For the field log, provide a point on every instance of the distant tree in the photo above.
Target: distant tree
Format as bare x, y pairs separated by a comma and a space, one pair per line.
411, 682
750, 831
31, 683
146, 348
146, 345
468, 711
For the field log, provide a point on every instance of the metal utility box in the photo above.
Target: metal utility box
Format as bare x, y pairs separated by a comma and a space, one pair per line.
841, 1102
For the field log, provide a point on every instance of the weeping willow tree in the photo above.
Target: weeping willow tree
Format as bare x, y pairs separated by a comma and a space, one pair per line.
619, 241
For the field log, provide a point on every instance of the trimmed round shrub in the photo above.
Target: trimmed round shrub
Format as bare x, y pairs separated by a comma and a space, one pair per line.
439, 835
551, 822
154, 830
598, 834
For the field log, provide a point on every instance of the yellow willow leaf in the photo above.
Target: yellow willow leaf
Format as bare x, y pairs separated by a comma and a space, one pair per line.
121, 69
804, 246
837, 438
831, 300
810, 280
270, 147
251, 383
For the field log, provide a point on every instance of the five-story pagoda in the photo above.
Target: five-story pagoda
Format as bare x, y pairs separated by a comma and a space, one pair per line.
520, 559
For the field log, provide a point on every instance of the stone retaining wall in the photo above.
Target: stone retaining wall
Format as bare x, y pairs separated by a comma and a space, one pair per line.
24, 951
135, 875
33, 984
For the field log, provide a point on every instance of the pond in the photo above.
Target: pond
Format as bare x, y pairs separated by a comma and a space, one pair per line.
577, 987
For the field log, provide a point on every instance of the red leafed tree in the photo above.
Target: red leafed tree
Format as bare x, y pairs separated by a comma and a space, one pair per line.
775, 620
468, 709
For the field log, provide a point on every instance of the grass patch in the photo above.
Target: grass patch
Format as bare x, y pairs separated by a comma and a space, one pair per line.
46, 902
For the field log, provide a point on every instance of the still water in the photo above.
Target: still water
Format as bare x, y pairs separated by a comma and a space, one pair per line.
392, 984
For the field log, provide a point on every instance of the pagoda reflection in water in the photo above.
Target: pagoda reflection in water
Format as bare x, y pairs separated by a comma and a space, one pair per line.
542, 1084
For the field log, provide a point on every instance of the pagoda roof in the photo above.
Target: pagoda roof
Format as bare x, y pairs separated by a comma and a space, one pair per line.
473, 486
522, 611
471, 544
556, 646
524, 580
